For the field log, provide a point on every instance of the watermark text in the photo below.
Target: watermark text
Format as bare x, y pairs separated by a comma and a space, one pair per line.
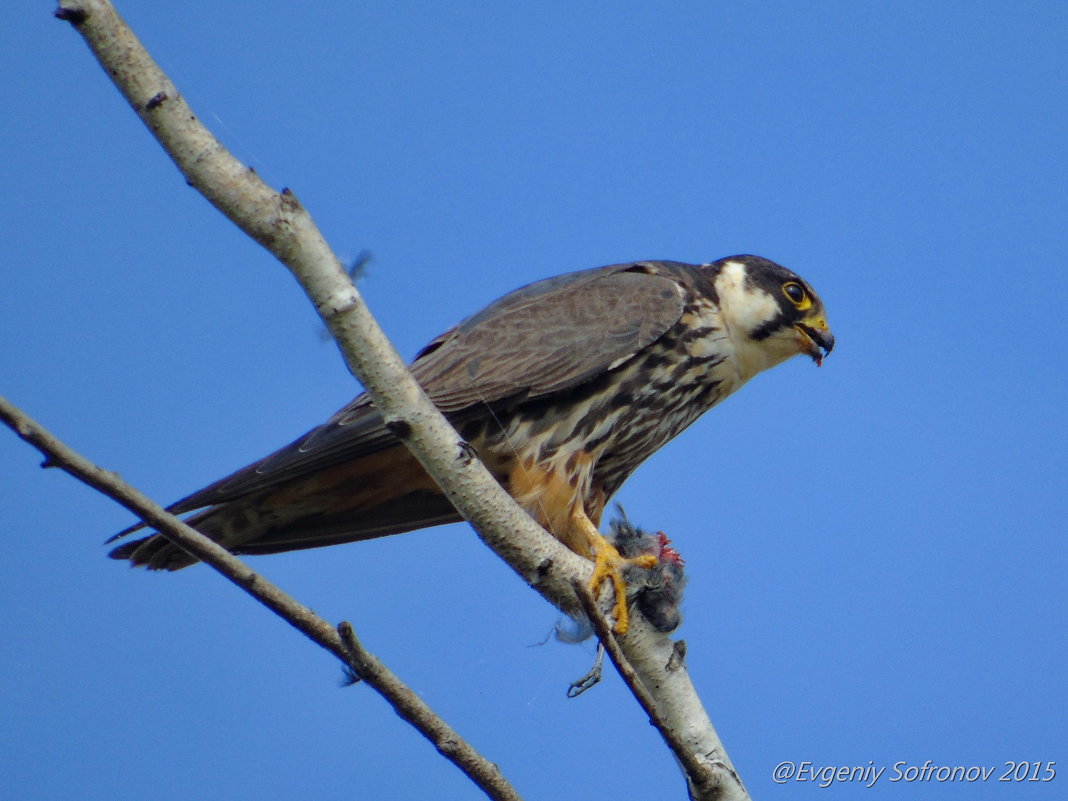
906, 772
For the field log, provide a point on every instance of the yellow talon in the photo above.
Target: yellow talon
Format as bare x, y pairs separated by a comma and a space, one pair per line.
608, 563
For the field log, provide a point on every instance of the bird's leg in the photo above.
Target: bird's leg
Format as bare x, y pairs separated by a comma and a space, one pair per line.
609, 564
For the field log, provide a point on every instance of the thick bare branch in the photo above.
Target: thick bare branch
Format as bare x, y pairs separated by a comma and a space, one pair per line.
706, 779
280, 223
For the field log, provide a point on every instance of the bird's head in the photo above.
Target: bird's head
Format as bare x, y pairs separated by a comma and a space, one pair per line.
770, 312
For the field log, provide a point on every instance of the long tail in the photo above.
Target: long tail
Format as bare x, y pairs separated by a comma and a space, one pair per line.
382, 493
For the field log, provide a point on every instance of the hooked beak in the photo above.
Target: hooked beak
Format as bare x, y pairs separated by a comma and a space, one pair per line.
815, 338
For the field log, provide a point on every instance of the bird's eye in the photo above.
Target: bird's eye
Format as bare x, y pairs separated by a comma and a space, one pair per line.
795, 292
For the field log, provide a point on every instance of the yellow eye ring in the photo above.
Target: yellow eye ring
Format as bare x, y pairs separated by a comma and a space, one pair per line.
795, 292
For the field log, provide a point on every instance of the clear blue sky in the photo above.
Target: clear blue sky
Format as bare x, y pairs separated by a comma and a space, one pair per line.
875, 549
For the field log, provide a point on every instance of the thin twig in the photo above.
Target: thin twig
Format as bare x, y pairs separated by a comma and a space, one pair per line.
343, 645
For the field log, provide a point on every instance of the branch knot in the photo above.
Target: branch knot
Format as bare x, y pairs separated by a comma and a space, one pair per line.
73, 14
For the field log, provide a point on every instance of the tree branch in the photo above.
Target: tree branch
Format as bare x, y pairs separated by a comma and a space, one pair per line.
341, 641
279, 223
705, 780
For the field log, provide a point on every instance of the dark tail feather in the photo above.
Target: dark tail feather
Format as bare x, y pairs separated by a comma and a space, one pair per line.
386, 493
415, 510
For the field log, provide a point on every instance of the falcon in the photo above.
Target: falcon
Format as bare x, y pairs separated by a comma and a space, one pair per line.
562, 388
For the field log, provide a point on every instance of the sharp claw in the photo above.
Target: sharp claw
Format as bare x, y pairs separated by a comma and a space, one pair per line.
609, 564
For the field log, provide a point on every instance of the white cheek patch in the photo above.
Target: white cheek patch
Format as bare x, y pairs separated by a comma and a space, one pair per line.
744, 309
731, 276
756, 308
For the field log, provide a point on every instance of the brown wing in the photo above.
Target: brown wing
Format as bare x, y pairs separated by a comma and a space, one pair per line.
549, 336
538, 340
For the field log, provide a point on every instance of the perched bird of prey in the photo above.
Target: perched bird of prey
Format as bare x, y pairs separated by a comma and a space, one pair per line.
562, 388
